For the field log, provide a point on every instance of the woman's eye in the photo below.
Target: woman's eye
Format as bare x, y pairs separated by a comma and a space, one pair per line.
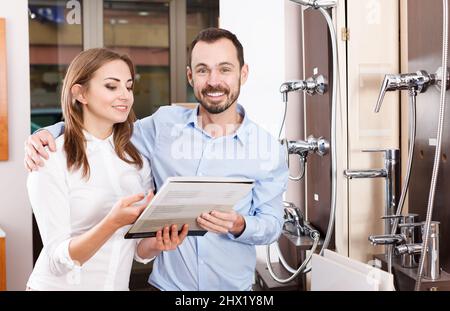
130, 88
110, 87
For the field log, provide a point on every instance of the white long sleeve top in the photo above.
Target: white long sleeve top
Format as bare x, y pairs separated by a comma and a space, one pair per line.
66, 205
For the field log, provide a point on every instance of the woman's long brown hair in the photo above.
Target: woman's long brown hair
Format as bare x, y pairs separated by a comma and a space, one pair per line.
81, 71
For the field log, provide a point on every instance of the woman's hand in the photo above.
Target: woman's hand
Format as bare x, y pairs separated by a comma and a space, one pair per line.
126, 210
168, 240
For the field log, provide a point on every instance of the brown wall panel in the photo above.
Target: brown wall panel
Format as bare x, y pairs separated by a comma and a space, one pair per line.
318, 119
424, 53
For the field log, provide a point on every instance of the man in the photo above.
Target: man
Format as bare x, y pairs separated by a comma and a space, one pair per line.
216, 139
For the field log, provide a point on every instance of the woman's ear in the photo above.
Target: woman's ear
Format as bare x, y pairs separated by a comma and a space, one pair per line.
77, 93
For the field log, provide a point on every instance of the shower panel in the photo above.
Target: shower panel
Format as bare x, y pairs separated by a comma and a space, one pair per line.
318, 60
424, 52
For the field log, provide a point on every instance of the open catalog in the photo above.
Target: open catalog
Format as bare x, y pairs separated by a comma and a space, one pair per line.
182, 199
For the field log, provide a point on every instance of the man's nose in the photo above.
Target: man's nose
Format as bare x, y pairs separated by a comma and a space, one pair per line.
214, 78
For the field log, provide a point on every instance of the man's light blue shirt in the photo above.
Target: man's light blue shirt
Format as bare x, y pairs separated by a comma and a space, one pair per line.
176, 145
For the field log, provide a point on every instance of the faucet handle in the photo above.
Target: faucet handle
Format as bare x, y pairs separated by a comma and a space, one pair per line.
387, 83
386, 239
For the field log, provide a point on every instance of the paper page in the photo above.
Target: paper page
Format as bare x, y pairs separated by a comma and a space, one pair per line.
182, 200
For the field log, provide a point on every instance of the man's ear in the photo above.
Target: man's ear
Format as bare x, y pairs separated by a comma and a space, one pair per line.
78, 94
244, 74
189, 75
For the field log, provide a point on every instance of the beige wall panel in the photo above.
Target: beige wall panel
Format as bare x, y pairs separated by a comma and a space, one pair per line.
373, 51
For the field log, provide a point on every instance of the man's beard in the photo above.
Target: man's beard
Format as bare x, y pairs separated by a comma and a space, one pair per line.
218, 108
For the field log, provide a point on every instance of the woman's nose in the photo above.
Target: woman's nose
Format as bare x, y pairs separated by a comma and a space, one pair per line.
125, 94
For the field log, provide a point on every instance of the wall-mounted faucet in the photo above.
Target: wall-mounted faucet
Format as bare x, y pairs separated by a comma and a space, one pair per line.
303, 148
419, 82
313, 85
391, 173
300, 147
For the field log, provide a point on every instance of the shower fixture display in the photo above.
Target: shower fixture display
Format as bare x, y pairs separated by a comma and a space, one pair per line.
319, 86
414, 83
294, 220
312, 86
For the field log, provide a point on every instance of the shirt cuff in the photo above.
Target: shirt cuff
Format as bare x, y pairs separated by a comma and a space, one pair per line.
142, 260
138, 258
62, 257
251, 227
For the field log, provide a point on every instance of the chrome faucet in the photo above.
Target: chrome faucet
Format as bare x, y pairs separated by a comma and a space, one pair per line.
303, 148
300, 147
294, 219
391, 173
432, 269
417, 82
313, 85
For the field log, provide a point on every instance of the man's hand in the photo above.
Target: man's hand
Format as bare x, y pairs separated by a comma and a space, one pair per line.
222, 222
35, 151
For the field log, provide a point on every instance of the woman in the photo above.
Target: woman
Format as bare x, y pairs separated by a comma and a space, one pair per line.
81, 197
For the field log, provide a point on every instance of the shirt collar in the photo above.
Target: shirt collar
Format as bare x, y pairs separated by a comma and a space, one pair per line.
242, 131
93, 143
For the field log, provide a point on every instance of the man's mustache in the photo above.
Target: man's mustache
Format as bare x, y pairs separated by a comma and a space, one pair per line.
215, 90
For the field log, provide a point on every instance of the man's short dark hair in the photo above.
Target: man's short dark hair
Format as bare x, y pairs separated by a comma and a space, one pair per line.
211, 35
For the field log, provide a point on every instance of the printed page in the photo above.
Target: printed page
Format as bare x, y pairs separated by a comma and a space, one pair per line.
181, 200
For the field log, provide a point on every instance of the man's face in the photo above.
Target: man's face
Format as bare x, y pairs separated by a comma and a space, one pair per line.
215, 75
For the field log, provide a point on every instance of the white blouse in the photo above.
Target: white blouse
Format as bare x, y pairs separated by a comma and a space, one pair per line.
66, 205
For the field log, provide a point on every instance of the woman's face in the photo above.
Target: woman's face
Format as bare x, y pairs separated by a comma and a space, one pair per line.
109, 96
